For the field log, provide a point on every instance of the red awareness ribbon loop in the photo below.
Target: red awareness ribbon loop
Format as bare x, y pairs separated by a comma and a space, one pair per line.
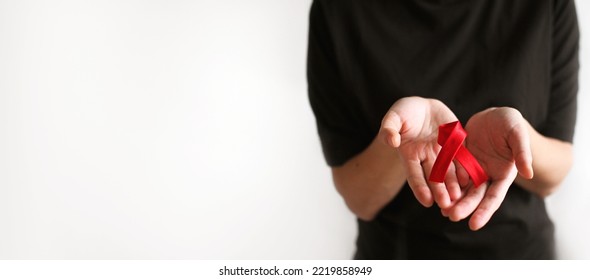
451, 137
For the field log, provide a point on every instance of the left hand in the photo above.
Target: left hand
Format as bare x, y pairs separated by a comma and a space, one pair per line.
499, 139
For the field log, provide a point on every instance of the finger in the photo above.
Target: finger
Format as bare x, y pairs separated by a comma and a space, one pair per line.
519, 142
444, 212
439, 190
452, 184
462, 175
489, 204
418, 184
464, 207
391, 126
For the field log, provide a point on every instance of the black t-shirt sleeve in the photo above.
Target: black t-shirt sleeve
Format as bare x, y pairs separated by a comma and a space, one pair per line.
561, 118
336, 116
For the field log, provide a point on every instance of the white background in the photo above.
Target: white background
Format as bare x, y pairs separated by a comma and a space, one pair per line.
182, 130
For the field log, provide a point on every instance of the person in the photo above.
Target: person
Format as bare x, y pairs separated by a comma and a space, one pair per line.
384, 75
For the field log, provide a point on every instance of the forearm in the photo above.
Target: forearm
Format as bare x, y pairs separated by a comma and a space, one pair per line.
552, 160
371, 179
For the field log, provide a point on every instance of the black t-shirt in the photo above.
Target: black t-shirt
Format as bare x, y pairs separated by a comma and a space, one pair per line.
471, 55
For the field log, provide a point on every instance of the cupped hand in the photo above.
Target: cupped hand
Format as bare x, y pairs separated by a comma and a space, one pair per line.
499, 139
411, 125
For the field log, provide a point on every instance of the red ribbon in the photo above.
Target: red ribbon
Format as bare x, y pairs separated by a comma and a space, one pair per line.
451, 137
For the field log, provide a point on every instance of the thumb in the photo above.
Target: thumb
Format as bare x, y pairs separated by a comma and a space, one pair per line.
391, 126
519, 142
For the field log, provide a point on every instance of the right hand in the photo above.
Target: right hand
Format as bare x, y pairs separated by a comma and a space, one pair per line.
499, 139
411, 125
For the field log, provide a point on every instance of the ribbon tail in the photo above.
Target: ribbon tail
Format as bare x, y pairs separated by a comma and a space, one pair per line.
472, 166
